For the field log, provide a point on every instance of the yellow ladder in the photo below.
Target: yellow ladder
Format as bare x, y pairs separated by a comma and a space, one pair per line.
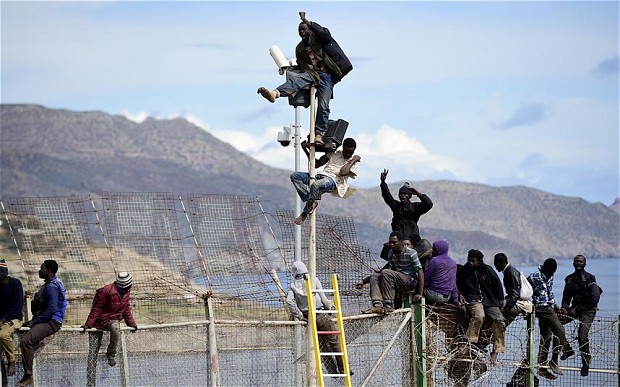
310, 292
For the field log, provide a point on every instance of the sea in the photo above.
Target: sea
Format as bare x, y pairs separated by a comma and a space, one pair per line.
607, 272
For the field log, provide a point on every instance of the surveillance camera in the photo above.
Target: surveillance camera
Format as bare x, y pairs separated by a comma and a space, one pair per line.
284, 136
280, 59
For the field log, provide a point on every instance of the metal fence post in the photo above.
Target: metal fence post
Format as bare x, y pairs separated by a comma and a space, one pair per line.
530, 354
214, 363
124, 371
419, 319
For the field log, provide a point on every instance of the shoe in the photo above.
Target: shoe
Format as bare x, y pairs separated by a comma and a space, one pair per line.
318, 139
10, 371
269, 95
25, 381
388, 309
567, 354
374, 310
555, 368
546, 374
585, 369
111, 362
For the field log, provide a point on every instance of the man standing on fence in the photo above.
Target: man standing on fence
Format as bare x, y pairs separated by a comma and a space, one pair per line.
580, 301
551, 329
48, 306
110, 306
11, 313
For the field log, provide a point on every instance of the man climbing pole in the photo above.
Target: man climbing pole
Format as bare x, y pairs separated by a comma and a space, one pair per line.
322, 64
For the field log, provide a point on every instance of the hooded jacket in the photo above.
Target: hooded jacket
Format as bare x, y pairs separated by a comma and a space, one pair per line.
480, 284
296, 297
325, 49
440, 272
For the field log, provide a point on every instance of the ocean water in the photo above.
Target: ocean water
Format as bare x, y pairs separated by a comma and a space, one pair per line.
607, 272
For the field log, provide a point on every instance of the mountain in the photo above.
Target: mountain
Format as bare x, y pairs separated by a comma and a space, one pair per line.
47, 152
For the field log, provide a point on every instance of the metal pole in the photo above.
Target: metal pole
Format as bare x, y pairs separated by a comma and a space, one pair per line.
214, 363
297, 144
311, 374
530, 354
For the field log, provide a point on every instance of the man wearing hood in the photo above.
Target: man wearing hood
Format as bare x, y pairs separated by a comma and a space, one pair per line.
481, 292
440, 276
297, 302
580, 301
322, 64
405, 214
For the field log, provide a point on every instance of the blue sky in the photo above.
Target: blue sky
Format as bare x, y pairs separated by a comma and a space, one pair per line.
498, 93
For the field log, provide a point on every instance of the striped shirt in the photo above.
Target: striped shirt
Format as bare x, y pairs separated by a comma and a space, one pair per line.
407, 262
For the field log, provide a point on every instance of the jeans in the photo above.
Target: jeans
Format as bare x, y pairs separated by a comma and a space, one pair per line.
322, 184
32, 340
6, 338
551, 330
297, 80
478, 312
434, 297
384, 285
94, 343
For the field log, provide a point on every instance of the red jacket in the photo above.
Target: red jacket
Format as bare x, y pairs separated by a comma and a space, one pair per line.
108, 305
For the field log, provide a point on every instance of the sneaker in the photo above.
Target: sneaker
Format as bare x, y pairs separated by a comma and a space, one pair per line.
111, 362
555, 368
374, 310
25, 381
546, 374
269, 95
388, 309
318, 139
566, 354
11, 370
585, 369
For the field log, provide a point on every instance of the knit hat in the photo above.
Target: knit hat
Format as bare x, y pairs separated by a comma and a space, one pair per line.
4, 269
405, 189
124, 279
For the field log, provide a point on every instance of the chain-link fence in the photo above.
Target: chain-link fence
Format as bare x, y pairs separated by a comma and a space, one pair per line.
185, 251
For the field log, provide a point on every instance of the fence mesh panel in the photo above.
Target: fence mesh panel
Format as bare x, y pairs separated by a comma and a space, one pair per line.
181, 249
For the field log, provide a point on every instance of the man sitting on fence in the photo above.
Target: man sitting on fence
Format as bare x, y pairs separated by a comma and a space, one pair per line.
480, 293
110, 306
551, 330
580, 301
402, 273
11, 313
48, 306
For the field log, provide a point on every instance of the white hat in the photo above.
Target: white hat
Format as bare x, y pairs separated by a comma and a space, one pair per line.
124, 279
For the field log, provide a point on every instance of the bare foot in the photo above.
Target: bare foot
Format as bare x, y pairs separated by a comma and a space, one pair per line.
313, 204
300, 219
493, 358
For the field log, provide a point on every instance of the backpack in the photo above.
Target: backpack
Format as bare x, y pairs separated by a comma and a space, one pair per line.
37, 305
526, 288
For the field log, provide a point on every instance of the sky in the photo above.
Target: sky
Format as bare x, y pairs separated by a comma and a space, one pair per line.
497, 93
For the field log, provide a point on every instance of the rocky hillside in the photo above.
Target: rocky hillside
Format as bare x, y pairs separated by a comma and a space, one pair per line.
47, 152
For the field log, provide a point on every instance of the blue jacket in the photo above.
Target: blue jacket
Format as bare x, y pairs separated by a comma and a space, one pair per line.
54, 295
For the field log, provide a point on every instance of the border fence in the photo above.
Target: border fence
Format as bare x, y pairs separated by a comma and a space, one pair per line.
210, 273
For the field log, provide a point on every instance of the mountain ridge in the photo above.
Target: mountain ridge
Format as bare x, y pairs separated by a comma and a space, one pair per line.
57, 152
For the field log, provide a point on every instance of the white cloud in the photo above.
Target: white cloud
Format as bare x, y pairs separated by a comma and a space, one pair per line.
138, 117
